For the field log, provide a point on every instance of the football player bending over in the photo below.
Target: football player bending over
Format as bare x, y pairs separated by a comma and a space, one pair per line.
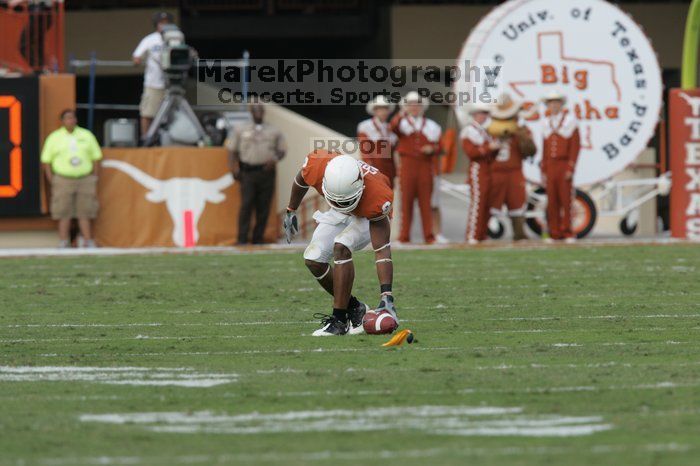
360, 199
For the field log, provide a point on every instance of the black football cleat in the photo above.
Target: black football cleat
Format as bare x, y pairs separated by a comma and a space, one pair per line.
330, 326
355, 315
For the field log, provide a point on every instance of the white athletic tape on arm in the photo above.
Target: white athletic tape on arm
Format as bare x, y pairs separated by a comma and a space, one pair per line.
382, 260
342, 261
383, 247
324, 273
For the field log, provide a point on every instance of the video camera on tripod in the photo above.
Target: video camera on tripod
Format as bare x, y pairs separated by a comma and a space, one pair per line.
175, 122
176, 56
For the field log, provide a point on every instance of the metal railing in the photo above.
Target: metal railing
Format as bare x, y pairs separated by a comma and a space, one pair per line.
93, 63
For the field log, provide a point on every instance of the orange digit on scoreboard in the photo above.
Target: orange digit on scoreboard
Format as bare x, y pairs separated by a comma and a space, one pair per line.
15, 109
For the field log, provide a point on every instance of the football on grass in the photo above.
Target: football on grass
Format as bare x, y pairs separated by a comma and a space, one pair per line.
379, 323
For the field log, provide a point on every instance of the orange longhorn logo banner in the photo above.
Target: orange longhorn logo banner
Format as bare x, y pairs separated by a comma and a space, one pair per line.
174, 196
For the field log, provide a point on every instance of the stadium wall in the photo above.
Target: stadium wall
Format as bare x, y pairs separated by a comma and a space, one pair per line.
114, 34
414, 31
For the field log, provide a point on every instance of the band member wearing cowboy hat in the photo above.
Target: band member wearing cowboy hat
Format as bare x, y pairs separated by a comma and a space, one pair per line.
559, 154
418, 143
507, 179
480, 148
376, 140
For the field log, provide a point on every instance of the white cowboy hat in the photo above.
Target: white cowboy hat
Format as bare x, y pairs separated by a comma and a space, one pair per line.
506, 108
414, 97
380, 101
554, 95
480, 107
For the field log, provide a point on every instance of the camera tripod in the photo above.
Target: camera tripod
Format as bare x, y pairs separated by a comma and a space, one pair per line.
174, 103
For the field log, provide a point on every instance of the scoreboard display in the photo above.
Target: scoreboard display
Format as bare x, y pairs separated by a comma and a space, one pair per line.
19, 147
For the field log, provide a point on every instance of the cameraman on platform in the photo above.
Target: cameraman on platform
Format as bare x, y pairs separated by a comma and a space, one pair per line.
149, 49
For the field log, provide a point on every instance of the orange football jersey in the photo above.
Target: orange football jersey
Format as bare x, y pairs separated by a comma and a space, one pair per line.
377, 197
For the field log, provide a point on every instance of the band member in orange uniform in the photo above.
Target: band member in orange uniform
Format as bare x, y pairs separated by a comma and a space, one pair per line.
376, 140
507, 180
419, 142
481, 149
560, 152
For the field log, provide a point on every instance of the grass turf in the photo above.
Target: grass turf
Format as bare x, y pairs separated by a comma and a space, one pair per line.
610, 332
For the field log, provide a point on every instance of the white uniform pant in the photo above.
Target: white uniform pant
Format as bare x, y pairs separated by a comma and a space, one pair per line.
435, 196
334, 227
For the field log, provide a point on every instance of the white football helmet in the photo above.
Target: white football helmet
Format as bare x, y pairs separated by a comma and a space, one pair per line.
343, 184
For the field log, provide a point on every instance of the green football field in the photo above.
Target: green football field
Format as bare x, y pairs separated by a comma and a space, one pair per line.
560, 356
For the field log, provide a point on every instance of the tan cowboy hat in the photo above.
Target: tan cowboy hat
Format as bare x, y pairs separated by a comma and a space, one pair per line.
506, 108
480, 107
414, 97
380, 101
554, 95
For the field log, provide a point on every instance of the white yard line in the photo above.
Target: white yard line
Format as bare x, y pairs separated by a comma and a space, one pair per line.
587, 388
311, 394
250, 352
445, 307
665, 385
306, 322
580, 345
267, 336
602, 317
137, 337
572, 330
557, 367
47, 373
80, 252
435, 420
330, 394
134, 376
588, 243
326, 456
179, 324
147, 324
364, 350
203, 312
500, 367
186, 377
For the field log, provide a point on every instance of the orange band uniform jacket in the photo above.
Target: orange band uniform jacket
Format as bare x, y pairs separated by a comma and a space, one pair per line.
376, 142
475, 143
414, 133
562, 142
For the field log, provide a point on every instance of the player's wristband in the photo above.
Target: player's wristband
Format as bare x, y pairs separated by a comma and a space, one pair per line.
289, 209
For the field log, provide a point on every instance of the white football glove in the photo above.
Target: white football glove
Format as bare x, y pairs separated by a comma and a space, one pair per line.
291, 225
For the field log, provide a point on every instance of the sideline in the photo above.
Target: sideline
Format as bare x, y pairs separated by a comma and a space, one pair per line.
296, 247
